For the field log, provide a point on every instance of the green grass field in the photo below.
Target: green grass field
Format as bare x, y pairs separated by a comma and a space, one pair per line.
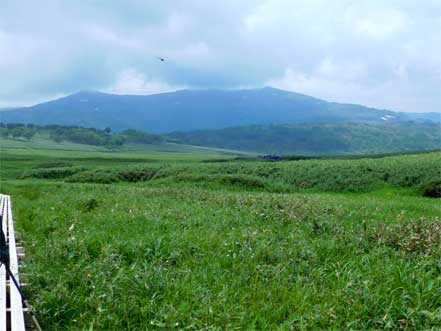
42, 142
205, 241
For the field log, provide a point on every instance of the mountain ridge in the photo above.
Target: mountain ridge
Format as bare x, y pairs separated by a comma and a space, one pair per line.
188, 110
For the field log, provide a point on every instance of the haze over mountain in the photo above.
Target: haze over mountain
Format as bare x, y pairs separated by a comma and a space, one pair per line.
187, 110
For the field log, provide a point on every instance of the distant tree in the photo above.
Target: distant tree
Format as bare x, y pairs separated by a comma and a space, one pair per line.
116, 140
29, 133
57, 139
56, 136
140, 137
108, 130
11, 126
17, 132
4, 133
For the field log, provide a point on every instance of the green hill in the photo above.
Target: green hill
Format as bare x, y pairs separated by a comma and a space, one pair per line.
320, 139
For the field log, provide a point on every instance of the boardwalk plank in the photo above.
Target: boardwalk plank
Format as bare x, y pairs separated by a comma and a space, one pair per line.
17, 318
2, 278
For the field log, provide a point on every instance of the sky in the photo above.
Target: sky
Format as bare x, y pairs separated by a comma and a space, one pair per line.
379, 53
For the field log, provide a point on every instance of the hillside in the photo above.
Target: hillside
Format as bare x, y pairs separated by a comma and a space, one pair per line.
320, 139
425, 117
188, 110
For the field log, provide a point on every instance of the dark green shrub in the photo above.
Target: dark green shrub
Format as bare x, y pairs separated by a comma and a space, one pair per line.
89, 205
138, 175
432, 189
95, 176
108, 176
243, 181
53, 173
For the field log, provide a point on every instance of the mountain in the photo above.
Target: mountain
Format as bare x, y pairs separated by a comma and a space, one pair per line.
320, 139
188, 110
425, 117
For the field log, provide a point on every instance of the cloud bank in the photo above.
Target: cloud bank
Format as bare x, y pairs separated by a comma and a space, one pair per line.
384, 54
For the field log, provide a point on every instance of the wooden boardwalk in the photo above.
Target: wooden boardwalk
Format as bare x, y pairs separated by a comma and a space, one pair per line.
12, 312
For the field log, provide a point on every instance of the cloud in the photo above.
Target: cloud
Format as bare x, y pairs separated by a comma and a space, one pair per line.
379, 24
377, 52
132, 82
322, 85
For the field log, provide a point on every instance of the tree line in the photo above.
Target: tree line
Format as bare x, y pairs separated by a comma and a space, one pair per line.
80, 135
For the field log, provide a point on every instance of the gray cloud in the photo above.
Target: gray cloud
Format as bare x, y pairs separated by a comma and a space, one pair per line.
380, 53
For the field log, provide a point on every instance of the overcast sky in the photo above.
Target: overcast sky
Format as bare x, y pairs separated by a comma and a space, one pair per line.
381, 53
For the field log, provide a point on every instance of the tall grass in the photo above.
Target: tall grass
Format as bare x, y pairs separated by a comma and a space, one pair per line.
208, 246
326, 175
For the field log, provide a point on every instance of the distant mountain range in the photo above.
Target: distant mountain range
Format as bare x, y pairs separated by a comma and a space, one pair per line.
188, 110
320, 139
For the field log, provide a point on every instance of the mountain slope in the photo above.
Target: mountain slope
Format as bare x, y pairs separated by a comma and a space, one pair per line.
320, 139
188, 110
425, 117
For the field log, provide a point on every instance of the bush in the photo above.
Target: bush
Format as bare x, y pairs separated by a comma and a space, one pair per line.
419, 236
95, 176
89, 205
108, 176
138, 175
53, 173
432, 189
243, 181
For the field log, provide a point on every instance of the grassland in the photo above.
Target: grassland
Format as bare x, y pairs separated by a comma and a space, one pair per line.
43, 142
179, 241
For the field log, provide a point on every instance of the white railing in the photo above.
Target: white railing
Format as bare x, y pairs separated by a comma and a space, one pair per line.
12, 312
